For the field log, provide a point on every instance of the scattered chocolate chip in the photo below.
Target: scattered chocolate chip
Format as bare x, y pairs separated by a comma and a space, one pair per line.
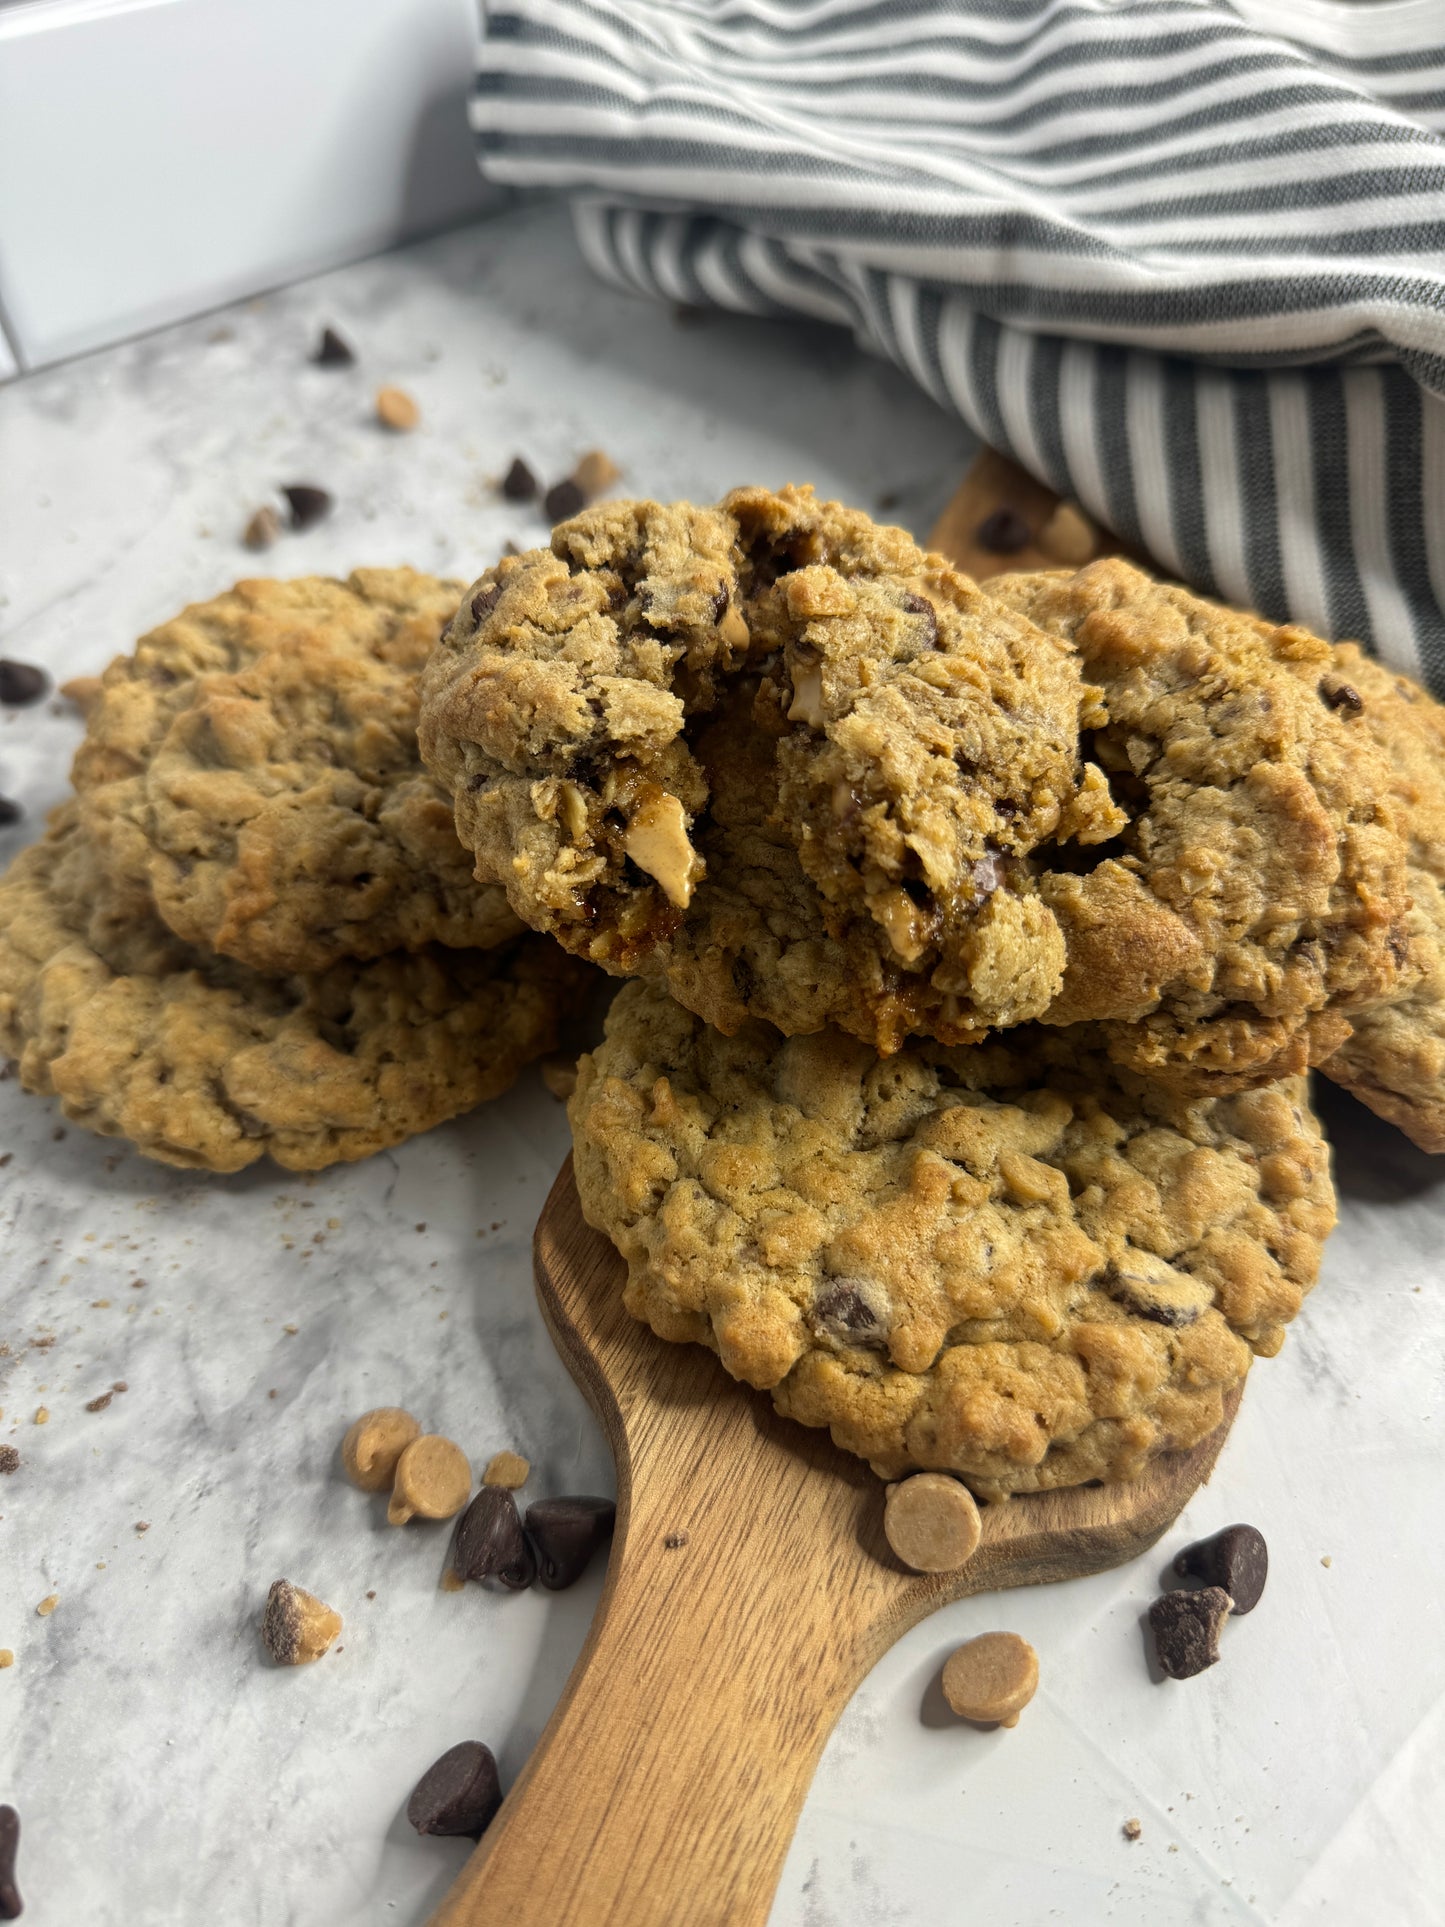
889, 499
1341, 695
566, 1533
9, 1459
519, 484
21, 683
485, 600
10, 812
1237, 1560
918, 605
332, 351
490, 1542
458, 1794
11, 1905
99, 1404
675, 1541
263, 529
1004, 532
1186, 1629
309, 504
563, 499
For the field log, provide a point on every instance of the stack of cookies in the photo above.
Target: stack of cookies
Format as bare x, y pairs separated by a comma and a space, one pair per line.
252, 930
978, 943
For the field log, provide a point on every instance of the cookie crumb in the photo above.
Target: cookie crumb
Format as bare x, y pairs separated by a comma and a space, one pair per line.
99, 1404
296, 1626
396, 410
1186, 1628
42, 1415
142, 1525
371, 1594
675, 1541
120, 1385
263, 530
507, 1469
9, 1459
1325, 1559
48, 1604
290, 1330
1132, 1829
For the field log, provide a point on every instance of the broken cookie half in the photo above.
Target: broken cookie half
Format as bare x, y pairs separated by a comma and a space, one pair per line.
774, 756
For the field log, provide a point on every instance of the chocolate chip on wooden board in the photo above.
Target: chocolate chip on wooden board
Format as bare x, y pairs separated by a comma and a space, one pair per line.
11, 1905
1237, 1560
1004, 532
458, 1794
519, 484
566, 1533
21, 683
490, 1544
332, 351
309, 504
1186, 1627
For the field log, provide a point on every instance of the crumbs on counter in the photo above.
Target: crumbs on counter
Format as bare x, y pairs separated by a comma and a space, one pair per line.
458, 1794
991, 1679
42, 1415
9, 1459
99, 1404
296, 1626
1132, 1829
142, 1525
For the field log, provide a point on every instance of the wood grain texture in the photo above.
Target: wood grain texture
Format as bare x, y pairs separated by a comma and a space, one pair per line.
749, 1590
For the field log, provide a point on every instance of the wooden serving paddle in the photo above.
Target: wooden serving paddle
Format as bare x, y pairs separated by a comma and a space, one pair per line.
750, 1589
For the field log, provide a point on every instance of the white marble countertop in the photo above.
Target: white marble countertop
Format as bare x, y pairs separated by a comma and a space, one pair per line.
163, 1772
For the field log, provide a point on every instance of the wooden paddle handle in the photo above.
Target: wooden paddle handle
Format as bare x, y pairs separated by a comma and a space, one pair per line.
667, 1787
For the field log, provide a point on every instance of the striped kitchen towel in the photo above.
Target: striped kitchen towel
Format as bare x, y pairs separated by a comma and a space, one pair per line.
1183, 259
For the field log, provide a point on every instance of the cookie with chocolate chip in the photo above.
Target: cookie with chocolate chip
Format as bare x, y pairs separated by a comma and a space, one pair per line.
1255, 894
773, 756
253, 766
202, 1062
1395, 1059
1016, 1262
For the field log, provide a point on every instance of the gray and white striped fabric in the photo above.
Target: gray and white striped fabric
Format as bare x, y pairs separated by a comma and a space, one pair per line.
1182, 259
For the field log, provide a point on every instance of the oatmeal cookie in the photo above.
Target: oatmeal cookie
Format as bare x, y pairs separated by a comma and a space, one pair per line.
1256, 894
254, 766
1016, 1262
202, 1062
772, 755
1395, 1060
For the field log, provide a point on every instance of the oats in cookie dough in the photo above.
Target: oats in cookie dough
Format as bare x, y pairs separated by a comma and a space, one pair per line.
203, 1063
253, 765
1255, 894
774, 756
1395, 1059
1014, 1262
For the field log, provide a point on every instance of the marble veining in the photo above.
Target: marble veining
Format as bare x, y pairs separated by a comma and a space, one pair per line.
164, 1773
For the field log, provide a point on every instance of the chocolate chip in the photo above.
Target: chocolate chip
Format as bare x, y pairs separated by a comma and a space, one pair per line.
263, 529
309, 505
490, 1542
566, 1533
1186, 1629
332, 352
458, 1794
485, 600
1341, 695
21, 683
1236, 1560
847, 1316
9, 1459
519, 484
563, 499
10, 812
1004, 532
11, 1905
918, 605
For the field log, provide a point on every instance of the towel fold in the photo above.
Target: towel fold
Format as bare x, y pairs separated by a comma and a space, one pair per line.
1184, 261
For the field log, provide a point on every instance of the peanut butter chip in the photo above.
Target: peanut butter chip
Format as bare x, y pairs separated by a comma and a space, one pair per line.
296, 1626
807, 704
991, 1679
48, 1604
595, 473
373, 1445
7, 1658
931, 1522
433, 1481
656, 840
1069, 536
507, 1469
396, 410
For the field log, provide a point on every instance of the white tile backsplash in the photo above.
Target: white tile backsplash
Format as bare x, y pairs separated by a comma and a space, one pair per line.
160, 157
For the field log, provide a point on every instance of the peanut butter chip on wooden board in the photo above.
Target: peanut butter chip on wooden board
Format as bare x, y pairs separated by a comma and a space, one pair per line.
991, 1679
932, 1522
